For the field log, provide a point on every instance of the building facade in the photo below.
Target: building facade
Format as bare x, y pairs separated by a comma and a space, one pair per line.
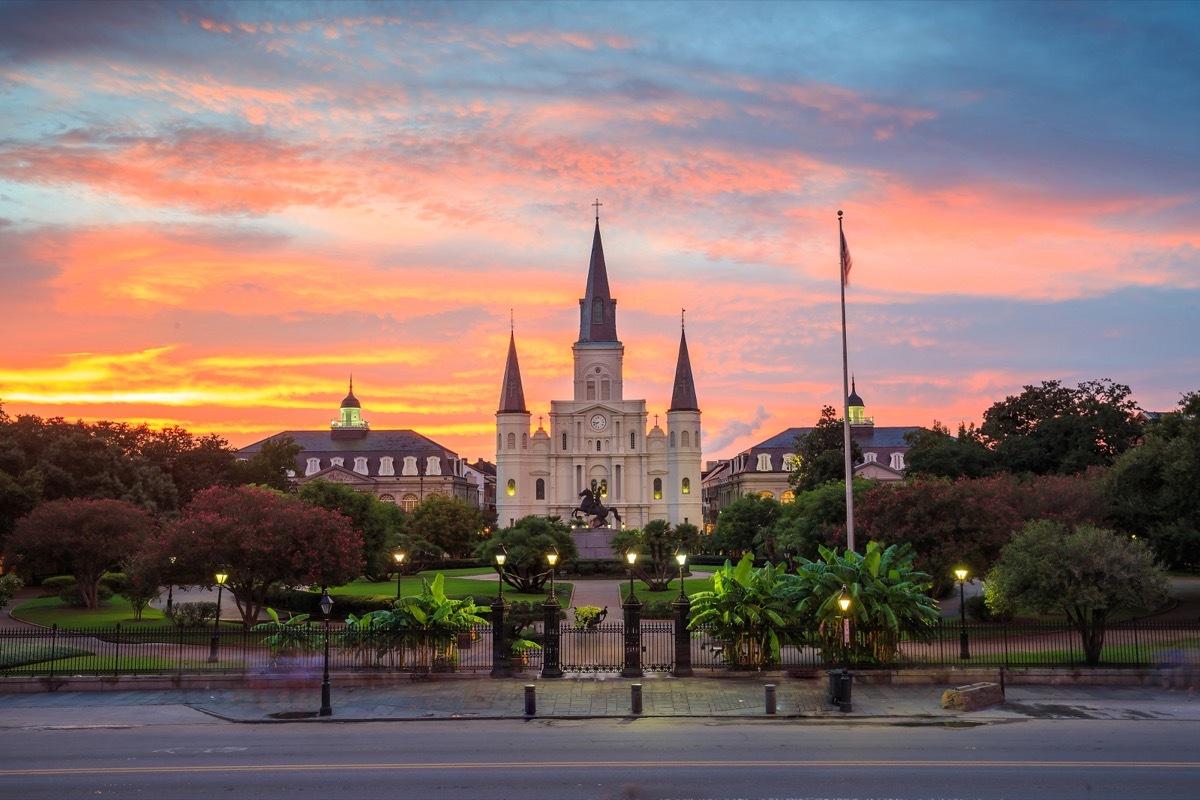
598, 439
764, 469
397, 466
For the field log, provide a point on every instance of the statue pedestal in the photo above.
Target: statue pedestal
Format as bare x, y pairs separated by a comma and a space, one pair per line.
594, 542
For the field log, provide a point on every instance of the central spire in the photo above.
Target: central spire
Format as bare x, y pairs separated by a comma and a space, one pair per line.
597, 310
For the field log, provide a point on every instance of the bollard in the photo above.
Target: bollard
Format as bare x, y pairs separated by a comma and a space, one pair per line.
635, 698
770, 687
530, 700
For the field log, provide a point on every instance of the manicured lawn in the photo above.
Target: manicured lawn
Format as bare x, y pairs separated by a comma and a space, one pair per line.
51, 611
14, 655
454, 586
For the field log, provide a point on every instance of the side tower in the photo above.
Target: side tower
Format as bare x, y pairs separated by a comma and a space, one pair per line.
512, 443
683, 443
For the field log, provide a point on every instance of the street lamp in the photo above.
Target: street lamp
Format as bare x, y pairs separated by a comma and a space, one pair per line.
841, 681
170, 586
399, 556
844, 601
326, 607
552, 558
222, 576
681, 559
631, 557
964, 647
501, 557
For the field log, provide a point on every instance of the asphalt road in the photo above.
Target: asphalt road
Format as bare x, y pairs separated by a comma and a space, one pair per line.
607, 760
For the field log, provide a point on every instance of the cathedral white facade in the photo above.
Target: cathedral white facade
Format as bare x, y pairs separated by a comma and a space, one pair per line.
598, 439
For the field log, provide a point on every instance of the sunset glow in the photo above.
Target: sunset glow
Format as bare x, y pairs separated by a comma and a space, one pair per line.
213, 213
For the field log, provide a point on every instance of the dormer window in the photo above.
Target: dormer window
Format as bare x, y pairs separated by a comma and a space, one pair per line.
314, 466
871, 457
360, 465
764, 462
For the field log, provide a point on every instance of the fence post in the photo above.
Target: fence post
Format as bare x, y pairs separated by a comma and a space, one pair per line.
633, 637
501, 658
683, 640
551, 639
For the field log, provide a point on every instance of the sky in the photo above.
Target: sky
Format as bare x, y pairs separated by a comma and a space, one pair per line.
212, 214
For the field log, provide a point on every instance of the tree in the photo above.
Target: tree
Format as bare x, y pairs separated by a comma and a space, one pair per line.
451, 523
1086, 573
815, 518
888, 599
744, 526
1152, 488
140, 581
89, 537
269, 467
933, 452
1053, 430
527, 542
656, 545
261, 538
377, 521
820, 454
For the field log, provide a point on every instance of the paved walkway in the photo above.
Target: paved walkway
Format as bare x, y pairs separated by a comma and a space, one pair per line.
584, 698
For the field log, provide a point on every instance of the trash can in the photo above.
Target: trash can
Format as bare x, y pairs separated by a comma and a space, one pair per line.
835, 686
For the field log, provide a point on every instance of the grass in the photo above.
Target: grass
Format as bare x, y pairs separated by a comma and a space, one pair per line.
20, 655
49, 611
454, 586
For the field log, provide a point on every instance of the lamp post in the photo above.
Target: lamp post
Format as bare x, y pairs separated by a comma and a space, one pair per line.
171, 587
551, 634
326, 607
964, 646
222, 576
841, 681
683, 607
399, 556
501, 658
552, 558
633, 626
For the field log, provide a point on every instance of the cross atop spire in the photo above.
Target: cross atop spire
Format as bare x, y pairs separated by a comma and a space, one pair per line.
683, 395
597, 205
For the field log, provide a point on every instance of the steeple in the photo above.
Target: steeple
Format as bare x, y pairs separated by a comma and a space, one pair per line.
512, 394
597, 310
683, 396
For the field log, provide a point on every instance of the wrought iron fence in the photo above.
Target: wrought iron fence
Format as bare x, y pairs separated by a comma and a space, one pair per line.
133, 650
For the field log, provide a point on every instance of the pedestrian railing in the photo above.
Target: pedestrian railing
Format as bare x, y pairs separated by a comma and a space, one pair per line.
135, 650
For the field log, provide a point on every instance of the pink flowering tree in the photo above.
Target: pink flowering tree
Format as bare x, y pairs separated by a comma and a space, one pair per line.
262, 539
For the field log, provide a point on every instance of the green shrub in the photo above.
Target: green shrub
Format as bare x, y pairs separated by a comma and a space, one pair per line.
977, 609
70, 595
299, 601
116, 581
10, 584
52, 586
193, 615
658, 609
587, 615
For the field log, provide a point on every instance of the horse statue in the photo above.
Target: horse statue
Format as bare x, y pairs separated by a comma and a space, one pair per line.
591, 509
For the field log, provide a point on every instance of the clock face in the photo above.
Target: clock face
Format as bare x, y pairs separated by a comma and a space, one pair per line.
599, 422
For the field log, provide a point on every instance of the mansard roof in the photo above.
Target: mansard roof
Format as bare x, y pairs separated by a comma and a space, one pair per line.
375, 444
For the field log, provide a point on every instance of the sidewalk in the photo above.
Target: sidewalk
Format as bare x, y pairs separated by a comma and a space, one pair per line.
586, 698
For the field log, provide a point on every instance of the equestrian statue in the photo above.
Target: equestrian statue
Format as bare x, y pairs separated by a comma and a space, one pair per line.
591, 510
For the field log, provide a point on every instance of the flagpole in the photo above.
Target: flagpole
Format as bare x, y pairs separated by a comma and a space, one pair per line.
843, 255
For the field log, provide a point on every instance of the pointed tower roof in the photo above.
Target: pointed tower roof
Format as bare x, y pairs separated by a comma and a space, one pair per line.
351, 401
853, 399
683, 396
512, 394
597, 310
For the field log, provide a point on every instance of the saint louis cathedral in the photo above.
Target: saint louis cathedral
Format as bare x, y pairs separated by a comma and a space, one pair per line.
599, 440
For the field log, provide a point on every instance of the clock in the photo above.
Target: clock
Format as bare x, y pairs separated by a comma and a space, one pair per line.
599, 422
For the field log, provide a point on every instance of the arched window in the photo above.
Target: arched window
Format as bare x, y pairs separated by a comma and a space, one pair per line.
433, 465
658, 488
387, 498
410, 466
597, 445
672, 440
633, 440
512, 441
685, 439
604, 488
540, 488
512, 488
686, 486
386, 467
499, 442
766, 495
564, 441
314, 466
409, 502
524, 441
788, 497
360, 465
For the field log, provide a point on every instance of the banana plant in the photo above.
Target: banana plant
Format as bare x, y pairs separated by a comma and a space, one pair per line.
287, 638
748, 609
888, 601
